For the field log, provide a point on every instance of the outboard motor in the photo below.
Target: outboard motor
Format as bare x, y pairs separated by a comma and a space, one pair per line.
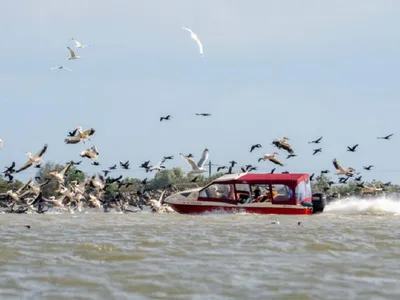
319, 202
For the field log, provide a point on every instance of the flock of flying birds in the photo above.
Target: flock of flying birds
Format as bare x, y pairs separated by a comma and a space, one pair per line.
29, 193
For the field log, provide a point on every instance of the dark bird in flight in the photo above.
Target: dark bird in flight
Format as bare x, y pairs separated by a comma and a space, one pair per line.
291, 155
106, 172
221, 168
368, 168
352, 149
317, 150
203, 114
145, 165
168, 157
71, 134
113, 167
324, 171
190, 155
10, 169
233, 163
144, 181
316, 141
272, 171
194, 179
166, 118
358, 178
95, 163
385, 137
124, 165
254, 147
251, 169
312, 177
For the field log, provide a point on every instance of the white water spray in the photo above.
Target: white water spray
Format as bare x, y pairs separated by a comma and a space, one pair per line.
361, 206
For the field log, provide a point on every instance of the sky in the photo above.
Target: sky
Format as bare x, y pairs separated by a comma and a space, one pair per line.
301, 69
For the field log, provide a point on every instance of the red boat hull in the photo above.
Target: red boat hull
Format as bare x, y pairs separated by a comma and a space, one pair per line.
271, 209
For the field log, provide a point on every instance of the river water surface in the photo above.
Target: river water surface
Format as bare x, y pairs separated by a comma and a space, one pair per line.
351, 251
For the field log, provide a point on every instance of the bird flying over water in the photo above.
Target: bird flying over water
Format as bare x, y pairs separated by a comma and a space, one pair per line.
352, 149
165, 118
254, 147
78, 44
385, 137
316, 141
72, 54
199, 167
36, 159
341, 170
60, 68
196, 38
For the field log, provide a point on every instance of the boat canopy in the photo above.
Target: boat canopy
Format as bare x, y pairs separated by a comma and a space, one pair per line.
288, 179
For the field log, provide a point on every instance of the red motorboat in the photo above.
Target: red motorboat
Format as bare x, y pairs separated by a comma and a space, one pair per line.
283, 194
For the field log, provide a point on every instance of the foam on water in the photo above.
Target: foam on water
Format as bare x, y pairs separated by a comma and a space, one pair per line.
361, 206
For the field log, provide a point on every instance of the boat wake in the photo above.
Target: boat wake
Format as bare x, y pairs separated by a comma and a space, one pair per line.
361, 206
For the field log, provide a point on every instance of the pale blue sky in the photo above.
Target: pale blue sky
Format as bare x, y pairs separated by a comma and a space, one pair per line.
292, 68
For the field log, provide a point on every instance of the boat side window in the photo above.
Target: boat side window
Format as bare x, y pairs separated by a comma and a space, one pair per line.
281, 192
218, 191
301, 191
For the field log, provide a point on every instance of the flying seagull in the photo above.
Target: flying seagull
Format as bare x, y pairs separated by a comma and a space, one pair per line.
78, 44
196, 38
72, 54
60, 68
199, 167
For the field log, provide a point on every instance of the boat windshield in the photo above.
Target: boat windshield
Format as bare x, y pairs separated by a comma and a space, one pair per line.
218, 191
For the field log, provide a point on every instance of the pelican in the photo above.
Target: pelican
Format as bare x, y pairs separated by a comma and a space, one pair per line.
196, 38
60, 68
157, 167
13, 195
36, 159
341, 171
97, 184
60, 175
78, 44
82, 135
59, 203
271, 158
72, 54
94, 201
282, 143
1, 144
199, 168
91, 153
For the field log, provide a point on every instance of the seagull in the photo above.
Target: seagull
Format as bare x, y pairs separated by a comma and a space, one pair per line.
316, 141
196, 38
78, 44
199, 167
36, 159
385, 137
60, 68
72, 54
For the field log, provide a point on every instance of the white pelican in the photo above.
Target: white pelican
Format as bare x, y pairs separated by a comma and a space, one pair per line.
196, 38
60, 175
13, 195
78, 44
91, 153
341, 171
82, 135
97, 184
282, 143
72, 54
60, 68
94, 201
199, 168
271, 158
36, 159
59, 203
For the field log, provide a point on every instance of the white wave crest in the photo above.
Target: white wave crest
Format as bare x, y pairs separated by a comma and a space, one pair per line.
361, 206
